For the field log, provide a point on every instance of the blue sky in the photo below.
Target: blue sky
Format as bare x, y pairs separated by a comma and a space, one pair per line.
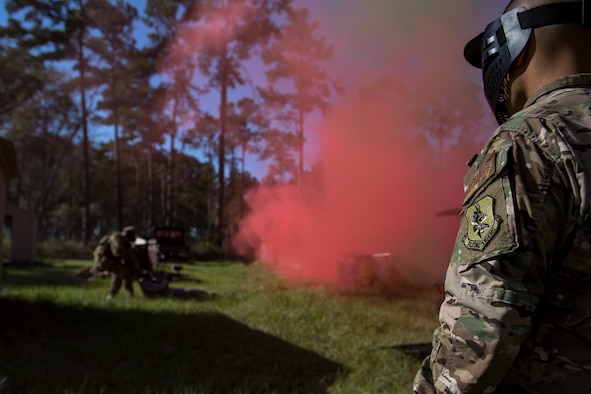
365, 34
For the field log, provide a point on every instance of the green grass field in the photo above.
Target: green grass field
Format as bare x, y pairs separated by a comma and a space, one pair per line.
259, 335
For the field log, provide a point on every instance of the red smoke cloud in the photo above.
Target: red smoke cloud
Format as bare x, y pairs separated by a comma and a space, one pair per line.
384, 178
383, 187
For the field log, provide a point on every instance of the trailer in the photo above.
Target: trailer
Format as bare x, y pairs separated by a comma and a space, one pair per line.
168, 244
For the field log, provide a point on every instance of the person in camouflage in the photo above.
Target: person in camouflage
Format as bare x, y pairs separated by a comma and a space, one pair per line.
114, 253
517, 312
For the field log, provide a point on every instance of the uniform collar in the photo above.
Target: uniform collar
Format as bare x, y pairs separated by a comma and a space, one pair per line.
569, 81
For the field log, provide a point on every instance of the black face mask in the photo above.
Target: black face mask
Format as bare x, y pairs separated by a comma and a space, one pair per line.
504, 39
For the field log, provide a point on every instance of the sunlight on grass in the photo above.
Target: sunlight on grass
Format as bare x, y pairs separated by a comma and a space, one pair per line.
259, 335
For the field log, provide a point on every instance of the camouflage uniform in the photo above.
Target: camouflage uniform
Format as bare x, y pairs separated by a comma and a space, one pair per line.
517, 311
115, 254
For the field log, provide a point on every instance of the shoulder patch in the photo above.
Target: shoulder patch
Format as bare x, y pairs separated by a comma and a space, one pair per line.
482, 173
482, 223
486, 169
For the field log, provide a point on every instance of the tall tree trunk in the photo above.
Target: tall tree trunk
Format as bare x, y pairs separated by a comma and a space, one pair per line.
136, 205
170, 180
150, 189
241, 189
230, 195
117, 157
300, 148
40, 208
169, 219
211, 214
86, 161
222, 150
163, 183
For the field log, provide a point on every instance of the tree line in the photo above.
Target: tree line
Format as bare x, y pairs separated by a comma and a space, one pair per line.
106, 105
72, 69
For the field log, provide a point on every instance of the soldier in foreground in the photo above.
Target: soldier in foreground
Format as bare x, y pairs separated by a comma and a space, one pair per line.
114, 253
517, 312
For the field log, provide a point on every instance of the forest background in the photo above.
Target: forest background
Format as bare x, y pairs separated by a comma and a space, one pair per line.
302, 130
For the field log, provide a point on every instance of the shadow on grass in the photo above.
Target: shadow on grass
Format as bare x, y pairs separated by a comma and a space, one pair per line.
37, 273
46, 348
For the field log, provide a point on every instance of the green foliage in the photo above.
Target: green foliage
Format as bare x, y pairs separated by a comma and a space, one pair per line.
297, 55
69, 249
259, 335
205, 250
20, 78
109, 108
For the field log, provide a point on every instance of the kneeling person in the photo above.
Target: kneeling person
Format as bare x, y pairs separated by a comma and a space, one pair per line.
115, 254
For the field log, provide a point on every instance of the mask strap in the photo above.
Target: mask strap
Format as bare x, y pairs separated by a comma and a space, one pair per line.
555, 14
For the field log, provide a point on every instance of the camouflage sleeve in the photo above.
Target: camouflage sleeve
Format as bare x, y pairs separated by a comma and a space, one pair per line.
122, 250
118, 247
513, 211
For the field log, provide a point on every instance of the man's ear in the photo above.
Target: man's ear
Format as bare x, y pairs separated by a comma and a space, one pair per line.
521, 58
525, 55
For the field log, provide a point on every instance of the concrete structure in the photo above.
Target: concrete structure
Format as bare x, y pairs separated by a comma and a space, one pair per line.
8, 171
23, 230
